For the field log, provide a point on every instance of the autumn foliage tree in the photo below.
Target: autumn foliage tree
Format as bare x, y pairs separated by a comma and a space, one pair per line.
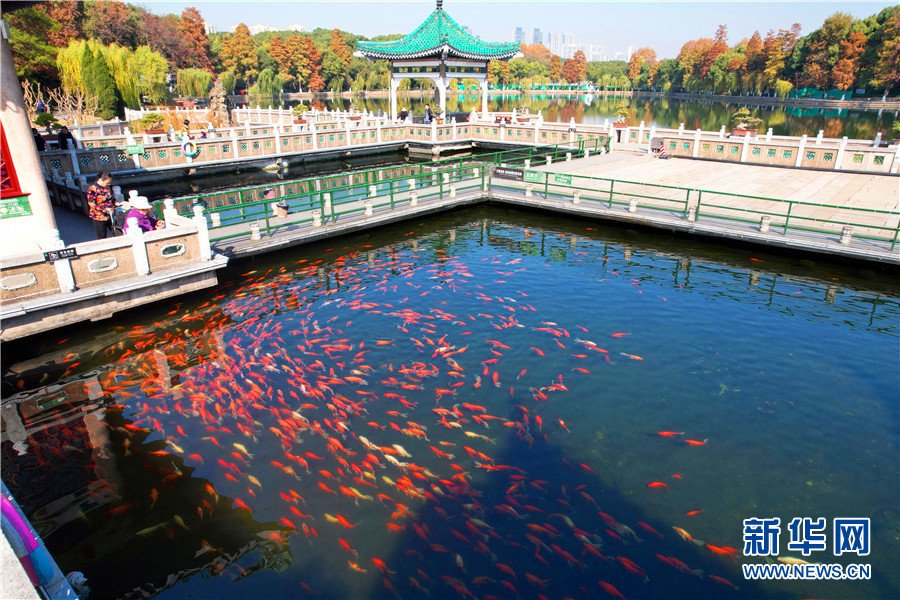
340, 48
556, 68
314, 60
195, 39
239, 54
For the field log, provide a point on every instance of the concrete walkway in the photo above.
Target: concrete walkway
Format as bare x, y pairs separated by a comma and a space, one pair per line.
14, 582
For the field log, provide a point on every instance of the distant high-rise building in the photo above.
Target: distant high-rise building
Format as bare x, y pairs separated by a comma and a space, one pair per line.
520, 35
621, 56
209, 28
569, 38
537, 37
555, 41
596, 52
629, 52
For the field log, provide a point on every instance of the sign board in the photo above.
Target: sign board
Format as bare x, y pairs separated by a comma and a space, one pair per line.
15, 207
135, 149
534, 177
60, 254
504, 173
564, 179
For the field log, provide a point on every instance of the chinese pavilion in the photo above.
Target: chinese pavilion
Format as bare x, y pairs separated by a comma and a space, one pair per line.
440, 50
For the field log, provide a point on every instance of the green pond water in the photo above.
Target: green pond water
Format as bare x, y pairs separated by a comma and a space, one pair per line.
240, 442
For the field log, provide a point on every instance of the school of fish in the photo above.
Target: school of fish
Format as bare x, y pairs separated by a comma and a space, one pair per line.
316, 397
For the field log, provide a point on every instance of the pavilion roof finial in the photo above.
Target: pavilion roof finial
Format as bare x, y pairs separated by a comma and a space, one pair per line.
440, 4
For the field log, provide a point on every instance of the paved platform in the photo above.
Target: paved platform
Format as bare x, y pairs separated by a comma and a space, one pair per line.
833, 193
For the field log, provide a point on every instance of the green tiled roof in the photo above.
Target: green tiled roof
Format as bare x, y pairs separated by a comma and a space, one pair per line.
430, 38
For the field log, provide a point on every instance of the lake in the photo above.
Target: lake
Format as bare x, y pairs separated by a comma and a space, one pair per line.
662, 112
488, 403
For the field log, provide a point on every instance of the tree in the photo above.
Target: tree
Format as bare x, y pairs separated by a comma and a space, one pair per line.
148, 69
570, 70
239, 54
886, 72
555, 68
313, 58
844, 74
111, 22
164, 35
777, 48
105, 88
333, 71
718, 48
33, 56
267, 85
283, 54
228, 80
820, 51
301, 67
193, 83
68, 19
634, 66
580, 66
195, 39
339, 48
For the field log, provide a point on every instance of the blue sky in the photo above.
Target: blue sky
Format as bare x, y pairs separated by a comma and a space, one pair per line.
664, 26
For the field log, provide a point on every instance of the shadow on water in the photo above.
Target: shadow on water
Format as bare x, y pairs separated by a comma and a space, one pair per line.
522, 500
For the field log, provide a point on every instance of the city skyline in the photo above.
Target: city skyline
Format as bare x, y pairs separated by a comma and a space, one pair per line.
663, 26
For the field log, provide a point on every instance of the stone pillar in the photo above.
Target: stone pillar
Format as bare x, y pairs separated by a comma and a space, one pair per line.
839, 158
395, 85
202, 233
722, 133
695, 152
745, 149
138, 247
819, 137
877, 140
484, 98
441, 83
769, 135
800, 150
22, 233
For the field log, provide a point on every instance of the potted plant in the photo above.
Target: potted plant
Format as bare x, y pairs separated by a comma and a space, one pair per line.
298, 112
153, 123
621, 114
354, 113
438, 116
743, 123
47, 121
895, 131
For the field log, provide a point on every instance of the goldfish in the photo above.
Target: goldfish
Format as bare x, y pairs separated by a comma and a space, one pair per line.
670, 433
695, 442
724, 550
790, 560
723, 581
657, 484
611, 590
356, 567
687, 537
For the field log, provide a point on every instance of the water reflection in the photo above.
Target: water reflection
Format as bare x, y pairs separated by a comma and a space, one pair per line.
662, 112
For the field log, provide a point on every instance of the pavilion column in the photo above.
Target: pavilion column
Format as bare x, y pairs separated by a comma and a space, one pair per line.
25, 233
442, 83
484, 97
395, 84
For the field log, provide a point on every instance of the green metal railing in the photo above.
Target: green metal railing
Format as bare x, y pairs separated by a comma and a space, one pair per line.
609, 192
344, 200
242, 196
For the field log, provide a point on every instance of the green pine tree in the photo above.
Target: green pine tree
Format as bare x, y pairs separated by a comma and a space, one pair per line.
108, 100
87, 70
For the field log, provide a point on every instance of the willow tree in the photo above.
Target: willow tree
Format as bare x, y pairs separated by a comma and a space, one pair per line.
228, 80
267, 84
148, 68
193, 83
126, 84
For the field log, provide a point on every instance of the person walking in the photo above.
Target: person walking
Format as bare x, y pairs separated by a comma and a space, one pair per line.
101, 205
428, 115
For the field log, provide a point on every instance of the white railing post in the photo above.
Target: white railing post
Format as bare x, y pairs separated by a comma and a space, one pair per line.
745, 149
138, 246
840, 153
202, 233
695, 152
800, 150
169, 210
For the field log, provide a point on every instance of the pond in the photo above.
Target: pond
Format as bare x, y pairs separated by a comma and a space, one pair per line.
662, 112
488, 403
